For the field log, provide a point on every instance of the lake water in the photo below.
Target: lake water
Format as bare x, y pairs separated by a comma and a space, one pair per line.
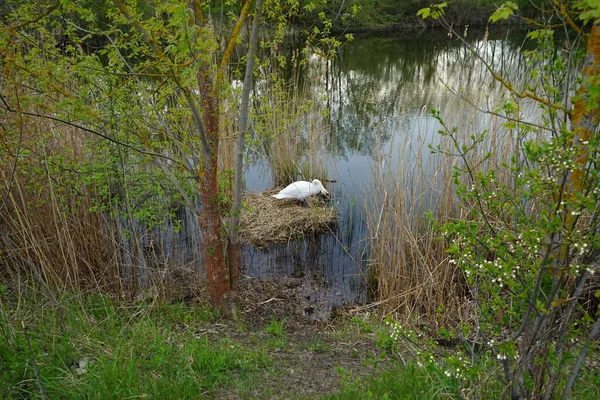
371, 107
376, 95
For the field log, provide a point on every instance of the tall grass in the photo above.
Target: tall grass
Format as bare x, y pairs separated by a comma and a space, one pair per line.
413, 194
48, 233
74, 213
293, 129
92, 347
409, 265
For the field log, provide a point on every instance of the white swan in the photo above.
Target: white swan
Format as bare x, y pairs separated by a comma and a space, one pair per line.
300, 190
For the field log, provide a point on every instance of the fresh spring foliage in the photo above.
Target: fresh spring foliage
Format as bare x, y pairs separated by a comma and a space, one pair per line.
528, 237
434, 11
504, 11
590, 10
526, 267
113, 111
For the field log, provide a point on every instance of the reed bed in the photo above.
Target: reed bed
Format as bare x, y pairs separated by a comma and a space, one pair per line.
49, 234
409, 265
68, 213
413, 194
294, 131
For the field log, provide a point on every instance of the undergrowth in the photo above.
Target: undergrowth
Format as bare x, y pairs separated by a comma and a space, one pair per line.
408, 381
89, 346
92, 347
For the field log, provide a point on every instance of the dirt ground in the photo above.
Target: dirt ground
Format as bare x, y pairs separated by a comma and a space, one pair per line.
314, 355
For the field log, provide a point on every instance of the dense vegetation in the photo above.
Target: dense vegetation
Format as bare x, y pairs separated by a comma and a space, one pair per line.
524, 231
119, 118
390, 15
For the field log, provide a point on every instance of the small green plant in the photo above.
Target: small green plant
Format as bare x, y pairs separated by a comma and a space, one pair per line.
362, 325
384, 342
276, 327
318, 346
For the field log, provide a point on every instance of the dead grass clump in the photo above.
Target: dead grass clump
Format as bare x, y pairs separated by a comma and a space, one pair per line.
265, 219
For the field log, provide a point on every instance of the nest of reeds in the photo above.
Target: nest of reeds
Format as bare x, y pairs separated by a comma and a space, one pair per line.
265, 220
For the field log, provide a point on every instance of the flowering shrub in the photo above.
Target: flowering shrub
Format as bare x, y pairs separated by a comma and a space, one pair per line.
528, 246
528, 236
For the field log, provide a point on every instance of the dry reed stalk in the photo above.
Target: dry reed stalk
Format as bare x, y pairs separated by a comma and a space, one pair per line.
48, 231
416, 282
296, 132
287, 147
266, 220
411, 267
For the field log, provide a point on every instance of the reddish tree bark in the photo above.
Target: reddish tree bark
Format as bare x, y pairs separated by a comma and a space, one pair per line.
585, 119
222, 277
210, 215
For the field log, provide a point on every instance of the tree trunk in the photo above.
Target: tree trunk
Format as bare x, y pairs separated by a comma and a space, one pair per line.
210, 225
222, 276
234, 248
585, 119
210, 215
221, 280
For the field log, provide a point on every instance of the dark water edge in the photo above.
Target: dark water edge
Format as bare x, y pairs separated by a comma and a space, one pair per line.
327, 269
396, 17
378, 89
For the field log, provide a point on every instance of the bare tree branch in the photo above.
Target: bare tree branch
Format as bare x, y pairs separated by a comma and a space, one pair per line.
86, 129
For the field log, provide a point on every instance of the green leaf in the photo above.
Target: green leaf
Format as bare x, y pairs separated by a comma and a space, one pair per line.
540, 34
424, 12
590, 15
435, 11
504, 11
593, 3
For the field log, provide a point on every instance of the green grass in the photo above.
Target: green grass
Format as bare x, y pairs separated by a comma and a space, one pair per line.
412, 381
92, 347
144, 350
587, 385
404, 382
277, 334
318, 346
276, 328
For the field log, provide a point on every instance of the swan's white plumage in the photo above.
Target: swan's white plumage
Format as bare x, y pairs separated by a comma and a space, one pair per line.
300, 190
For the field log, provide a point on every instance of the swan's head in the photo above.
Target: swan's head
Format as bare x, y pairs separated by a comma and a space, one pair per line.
318, 184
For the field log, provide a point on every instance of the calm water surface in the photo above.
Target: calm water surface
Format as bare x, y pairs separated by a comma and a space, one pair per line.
377, 94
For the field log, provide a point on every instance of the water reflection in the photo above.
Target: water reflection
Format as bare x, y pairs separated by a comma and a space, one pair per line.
372, 103
377, 93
